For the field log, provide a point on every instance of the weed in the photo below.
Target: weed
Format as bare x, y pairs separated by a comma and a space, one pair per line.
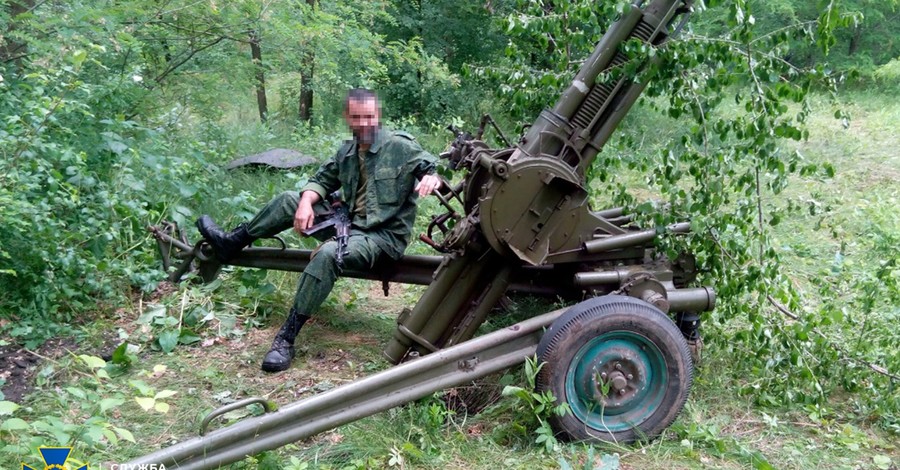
535, 407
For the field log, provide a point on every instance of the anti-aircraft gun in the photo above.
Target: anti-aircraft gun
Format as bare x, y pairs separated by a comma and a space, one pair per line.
620, 356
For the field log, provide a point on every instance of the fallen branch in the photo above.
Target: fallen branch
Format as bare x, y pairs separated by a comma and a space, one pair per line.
845, 355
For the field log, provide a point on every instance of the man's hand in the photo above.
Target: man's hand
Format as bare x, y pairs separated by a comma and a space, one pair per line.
305, 216
428, 184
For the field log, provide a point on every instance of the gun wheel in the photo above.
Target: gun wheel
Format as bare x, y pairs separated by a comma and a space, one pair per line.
622, 366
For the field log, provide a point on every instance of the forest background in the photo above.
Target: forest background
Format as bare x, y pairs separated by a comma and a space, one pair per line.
770, 125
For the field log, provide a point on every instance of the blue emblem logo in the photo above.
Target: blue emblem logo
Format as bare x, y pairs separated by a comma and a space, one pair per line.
55, 459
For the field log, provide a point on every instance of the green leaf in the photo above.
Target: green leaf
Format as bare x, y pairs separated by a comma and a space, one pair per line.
93, 362
609, 462
141, 387
883, 462
8, 407
117, 147
94, 434
165, 394
188, 337
145, 402
78, 57
110, 403
110, 436
152, 311
511, 390
124, 434
187, 190
14, 424
120, 355
162, 407
563, 465
168, 340
762, 465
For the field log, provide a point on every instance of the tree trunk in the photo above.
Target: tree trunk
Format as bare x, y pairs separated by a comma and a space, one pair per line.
256, 54
307, 70
854, 40
306, 91
421, 33
11, 50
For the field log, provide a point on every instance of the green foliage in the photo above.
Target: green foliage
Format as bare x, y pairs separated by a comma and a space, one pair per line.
427, 66
62, 173
535, 407
868, 40
709, 438
82, 414
548, 41
888, 75
728, 177
606, 462
148, 398
725, 102
859, 293
417, 83
121, 114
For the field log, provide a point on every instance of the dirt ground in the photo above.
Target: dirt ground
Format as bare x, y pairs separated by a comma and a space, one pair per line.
19, 365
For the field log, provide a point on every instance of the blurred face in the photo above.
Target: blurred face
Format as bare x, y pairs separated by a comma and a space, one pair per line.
362, 118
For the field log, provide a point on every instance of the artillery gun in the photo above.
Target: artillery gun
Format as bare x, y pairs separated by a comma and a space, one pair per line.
619, 356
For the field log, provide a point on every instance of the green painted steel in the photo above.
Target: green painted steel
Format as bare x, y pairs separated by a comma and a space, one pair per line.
617, 352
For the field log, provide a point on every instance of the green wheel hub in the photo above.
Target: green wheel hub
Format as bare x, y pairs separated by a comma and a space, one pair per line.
629, 368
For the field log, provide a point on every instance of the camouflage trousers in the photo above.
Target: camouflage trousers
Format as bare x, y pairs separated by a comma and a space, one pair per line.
319, 277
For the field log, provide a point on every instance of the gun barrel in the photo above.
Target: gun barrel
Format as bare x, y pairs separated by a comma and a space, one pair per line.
587, 113
630, 239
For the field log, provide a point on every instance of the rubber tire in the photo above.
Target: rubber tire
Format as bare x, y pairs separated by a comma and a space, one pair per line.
597, 316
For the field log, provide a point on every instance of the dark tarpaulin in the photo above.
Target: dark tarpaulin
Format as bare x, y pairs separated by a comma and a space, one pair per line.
275, 158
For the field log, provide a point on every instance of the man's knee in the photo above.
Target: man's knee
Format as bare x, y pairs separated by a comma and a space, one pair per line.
288, 198
326, 253
359, 256
322, 264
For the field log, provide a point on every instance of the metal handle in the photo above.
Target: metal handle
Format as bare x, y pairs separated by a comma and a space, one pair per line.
266, 404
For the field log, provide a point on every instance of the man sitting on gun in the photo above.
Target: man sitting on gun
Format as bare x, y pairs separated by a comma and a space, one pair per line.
376, 172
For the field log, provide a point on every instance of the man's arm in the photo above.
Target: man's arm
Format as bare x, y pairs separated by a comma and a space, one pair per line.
423, 166
428, 184
325, 181
304, 217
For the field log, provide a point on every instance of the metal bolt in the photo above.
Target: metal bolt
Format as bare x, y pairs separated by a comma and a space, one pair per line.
630, 376
618, 366
622, 391
603, 375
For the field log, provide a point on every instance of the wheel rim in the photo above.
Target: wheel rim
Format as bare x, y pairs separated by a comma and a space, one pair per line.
633, 368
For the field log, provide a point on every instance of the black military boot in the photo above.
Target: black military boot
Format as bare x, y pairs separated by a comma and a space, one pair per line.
282, 352
224, 244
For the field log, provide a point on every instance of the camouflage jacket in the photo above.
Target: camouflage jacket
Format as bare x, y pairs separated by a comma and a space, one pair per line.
393, 164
